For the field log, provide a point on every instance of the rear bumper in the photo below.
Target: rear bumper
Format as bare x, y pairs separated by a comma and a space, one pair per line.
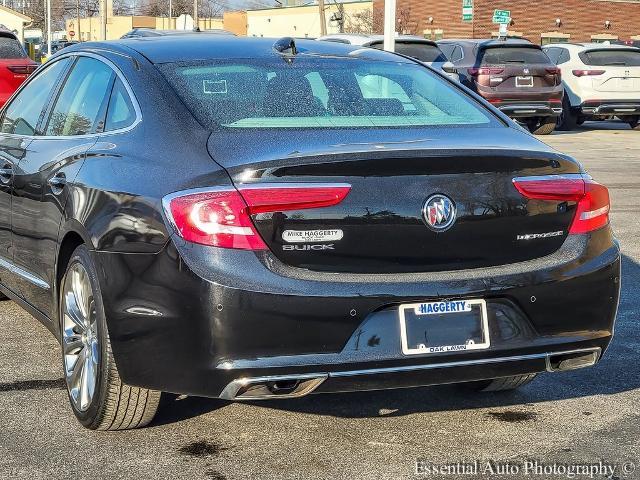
530, 109
611, 107
201, 321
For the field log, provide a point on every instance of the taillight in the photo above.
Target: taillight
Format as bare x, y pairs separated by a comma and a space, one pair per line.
592, 199
474, 72
222, 217
587, 73
553, 70
22, 69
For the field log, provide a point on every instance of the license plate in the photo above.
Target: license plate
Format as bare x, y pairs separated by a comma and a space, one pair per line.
440, 327
524, 81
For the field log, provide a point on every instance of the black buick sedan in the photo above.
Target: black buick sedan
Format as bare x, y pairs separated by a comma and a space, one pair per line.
251, 219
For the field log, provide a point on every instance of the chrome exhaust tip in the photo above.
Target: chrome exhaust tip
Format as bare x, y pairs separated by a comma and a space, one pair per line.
565, 361
260, 388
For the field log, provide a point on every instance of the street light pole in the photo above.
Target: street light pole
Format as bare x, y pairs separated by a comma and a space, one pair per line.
323, 21
390, 25
170, 14
103, 18
196, 23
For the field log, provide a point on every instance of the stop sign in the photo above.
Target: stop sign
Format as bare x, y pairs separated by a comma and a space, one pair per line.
72, 33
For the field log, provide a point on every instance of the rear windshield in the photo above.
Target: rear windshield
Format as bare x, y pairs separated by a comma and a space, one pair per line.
319, 93
11, 48
611, 57
504, 55
420, 51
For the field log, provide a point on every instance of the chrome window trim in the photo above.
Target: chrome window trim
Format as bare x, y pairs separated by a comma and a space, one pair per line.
119, 74
31, 278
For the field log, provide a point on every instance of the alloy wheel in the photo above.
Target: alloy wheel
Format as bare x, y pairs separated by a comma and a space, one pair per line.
80, 341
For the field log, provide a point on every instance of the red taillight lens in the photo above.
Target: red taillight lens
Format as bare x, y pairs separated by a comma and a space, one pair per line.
592, 199
474, 72
587, 73
222, 218
553, 70
22, 69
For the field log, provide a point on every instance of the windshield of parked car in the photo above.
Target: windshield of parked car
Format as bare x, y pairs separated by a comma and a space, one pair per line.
611, 57
423, 52
11, 48
320, 93
505, 55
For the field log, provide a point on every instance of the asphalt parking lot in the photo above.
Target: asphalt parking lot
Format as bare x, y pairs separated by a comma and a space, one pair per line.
572, 418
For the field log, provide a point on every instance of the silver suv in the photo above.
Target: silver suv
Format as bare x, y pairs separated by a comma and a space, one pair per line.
419, 48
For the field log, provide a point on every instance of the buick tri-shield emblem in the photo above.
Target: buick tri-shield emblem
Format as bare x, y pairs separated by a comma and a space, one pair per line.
439, 213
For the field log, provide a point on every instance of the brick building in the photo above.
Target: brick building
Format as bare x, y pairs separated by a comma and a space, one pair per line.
541, 21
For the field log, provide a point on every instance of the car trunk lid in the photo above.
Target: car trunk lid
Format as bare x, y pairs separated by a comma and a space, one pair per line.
382, 226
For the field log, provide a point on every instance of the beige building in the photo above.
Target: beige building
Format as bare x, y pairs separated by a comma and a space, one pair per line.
90, 28
303, 21
14, 21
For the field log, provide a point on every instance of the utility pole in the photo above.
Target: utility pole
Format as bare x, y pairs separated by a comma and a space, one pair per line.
48, 28
323, 21
196, 25
78, 26
103, 19
390, 25
170, 14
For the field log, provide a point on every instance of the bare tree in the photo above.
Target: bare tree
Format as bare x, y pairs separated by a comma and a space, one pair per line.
359, 22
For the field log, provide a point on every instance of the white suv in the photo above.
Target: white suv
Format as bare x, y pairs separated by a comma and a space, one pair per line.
600, 80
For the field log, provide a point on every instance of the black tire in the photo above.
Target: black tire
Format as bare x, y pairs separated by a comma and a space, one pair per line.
113, 404
543, 126
504, 383
634, 123
568, 120
3, 297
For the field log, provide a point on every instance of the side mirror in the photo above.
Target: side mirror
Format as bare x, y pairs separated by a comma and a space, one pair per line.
449, 67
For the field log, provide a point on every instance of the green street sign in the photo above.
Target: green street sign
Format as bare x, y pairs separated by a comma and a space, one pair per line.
501, 16
467, 10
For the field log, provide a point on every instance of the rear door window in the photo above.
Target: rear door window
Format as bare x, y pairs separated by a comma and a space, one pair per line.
81, 104
611, 57
504, 55
23, 113
120, 113
423, 52
11, 48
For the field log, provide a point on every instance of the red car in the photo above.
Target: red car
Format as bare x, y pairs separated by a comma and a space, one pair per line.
15, 65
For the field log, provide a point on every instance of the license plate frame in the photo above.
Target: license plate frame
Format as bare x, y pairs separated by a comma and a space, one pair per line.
480, 304
524, 81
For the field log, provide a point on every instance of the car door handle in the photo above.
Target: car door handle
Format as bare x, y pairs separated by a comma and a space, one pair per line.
58, 182
6, 173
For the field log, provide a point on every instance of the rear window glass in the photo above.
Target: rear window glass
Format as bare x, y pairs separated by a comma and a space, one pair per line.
504, 55
11, 48
420, 51
611, 57
312, 93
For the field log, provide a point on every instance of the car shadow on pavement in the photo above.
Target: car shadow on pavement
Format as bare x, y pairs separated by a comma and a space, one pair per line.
611, 125
619, 371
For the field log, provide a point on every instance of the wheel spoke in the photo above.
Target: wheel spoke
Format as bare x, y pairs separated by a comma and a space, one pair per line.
72, 344
85, 380
77, 370
73, 312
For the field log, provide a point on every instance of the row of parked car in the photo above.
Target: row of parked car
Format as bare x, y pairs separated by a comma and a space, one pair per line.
542, 87
558, 85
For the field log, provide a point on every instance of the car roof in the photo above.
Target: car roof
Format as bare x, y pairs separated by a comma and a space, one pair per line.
367, 39
7, 34
490, 42
152, 32
194, 47
592, 46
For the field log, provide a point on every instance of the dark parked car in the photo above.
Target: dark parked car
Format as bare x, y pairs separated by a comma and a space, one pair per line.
15, 65
514, 75
234, 218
